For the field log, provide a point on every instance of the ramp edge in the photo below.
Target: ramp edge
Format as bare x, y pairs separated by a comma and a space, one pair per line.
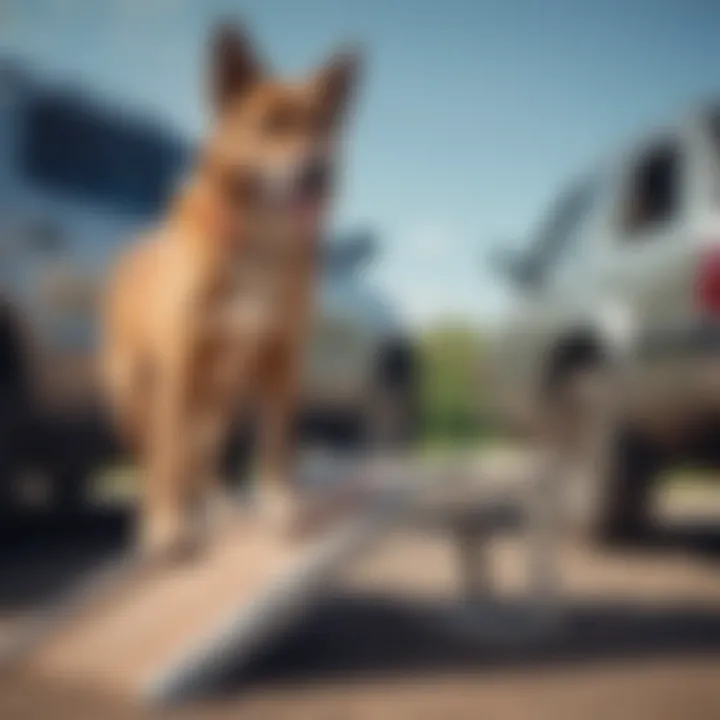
235, 640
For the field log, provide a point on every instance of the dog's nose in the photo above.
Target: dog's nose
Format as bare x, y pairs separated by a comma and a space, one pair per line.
313, 178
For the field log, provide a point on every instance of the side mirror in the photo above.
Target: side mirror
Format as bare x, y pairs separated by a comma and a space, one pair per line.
351, 252
515, 267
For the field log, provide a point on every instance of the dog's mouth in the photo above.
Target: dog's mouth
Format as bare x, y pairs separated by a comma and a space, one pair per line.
298, 189
307, 196
312, 183
301, 192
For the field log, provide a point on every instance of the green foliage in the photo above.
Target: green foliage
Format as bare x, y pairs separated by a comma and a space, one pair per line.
450, 354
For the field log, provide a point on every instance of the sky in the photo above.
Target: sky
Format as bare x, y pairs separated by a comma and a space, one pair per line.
471, 116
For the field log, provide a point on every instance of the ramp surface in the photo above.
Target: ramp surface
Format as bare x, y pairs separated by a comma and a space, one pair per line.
164, 634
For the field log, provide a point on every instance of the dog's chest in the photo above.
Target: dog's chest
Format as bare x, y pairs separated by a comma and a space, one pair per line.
261, 289
248, 309
257, 303
238, 323
235, 329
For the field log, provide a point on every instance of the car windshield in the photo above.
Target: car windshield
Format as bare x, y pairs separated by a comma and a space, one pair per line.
72, 149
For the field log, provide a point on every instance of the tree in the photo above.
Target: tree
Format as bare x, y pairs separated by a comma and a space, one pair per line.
450, 353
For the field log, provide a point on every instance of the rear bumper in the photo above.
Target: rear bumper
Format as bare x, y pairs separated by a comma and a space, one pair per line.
673, 378
699, 340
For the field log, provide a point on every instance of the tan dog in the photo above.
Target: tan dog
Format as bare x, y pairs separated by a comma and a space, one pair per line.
212, 308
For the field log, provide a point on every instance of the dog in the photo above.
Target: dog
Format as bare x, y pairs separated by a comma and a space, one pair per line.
210, 311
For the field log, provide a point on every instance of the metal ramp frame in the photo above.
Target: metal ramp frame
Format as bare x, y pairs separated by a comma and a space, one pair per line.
226, 640
532, 508
235, 640
229, 640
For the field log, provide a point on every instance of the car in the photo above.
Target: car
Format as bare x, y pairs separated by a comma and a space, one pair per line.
79, 177
621, 284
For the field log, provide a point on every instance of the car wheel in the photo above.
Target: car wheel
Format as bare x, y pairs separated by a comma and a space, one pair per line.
391, 421
612, 467
71, 489
14, 414
61, 452
624, 512
11, 429
392, 416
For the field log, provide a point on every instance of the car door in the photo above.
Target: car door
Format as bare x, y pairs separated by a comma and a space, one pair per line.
84, 182
646, 239
557, 300
647, 262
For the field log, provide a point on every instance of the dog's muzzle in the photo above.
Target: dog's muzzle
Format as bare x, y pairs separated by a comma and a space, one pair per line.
303, 183
306, 181
313, 180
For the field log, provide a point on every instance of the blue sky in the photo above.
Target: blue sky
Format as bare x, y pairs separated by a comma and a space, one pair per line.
472, 114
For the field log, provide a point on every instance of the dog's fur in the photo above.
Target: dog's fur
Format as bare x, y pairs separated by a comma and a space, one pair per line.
211, 309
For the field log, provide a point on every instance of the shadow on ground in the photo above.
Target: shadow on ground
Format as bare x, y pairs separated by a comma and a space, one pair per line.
354, 637
43, 556
358, 637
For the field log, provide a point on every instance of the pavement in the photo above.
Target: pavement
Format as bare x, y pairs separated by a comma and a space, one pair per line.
639, 637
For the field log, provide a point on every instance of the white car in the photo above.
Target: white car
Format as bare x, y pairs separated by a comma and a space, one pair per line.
622, 281
80, 177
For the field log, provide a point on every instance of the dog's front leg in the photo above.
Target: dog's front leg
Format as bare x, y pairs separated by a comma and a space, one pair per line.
276, 442
170, 462
212, 501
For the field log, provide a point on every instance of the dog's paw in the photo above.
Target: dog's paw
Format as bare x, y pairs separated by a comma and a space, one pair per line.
219, 509
167, 542
280, 509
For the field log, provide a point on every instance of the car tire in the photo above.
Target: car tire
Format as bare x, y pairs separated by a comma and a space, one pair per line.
11, 429
62, 452
71, 490
624, 512
391, 421
618, 466
388, 419
14, 414
392, 416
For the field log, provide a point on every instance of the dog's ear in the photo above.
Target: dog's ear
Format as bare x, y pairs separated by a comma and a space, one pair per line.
335, 83
234, 66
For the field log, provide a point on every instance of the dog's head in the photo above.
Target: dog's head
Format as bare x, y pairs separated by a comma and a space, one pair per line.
273, 143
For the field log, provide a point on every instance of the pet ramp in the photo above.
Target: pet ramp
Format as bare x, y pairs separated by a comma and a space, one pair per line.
168, 634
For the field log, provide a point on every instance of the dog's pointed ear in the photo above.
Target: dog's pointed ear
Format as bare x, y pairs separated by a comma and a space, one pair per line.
234, 67
335, 83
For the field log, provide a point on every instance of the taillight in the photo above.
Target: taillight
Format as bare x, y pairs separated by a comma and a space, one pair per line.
707, 284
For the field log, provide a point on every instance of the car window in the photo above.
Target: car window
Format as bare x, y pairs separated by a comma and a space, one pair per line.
72, 149
713, 131
560, 234
652, 198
